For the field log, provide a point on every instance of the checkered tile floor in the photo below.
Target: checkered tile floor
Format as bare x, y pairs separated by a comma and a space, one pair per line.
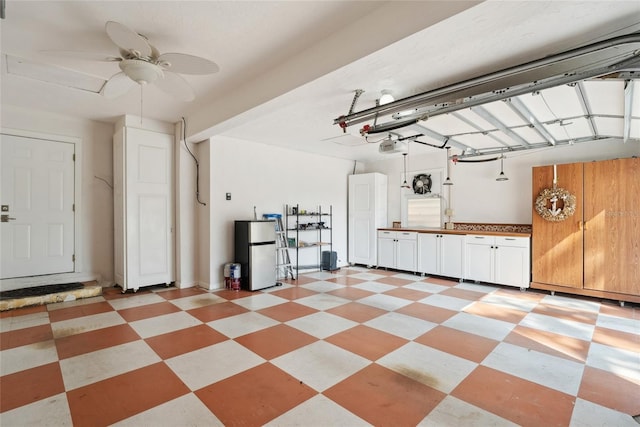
355, 347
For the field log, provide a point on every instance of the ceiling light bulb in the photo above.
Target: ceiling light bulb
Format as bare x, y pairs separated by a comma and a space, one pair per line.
386, 97
140, 71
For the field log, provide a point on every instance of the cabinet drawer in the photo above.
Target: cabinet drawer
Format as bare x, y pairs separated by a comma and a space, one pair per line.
520, 242
406, 235
387, 234
479, 239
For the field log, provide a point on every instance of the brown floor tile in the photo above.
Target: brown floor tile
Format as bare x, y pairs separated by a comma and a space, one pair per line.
382, 397
79, 311
619, 339
383, 272
610, 390
116, 292
462, 344
23, 311
441, 282
493, 311
294, 292
395, 281
275, 341
146, 311
28, 386
367, 342
184, 340
20, 337
357, 312
255, 396
346, 271
114, 399
287, 311
216, 311
345, 280
181, 293
549, 343
410, 294
627, 312
301, 280
73, 345
567, 313
230, 295
427, 312
464, 294
350, 293
521, 401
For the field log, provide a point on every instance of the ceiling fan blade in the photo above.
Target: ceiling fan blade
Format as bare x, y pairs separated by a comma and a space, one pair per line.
187, 64
127, 39
176, 86
89, 56
117, 85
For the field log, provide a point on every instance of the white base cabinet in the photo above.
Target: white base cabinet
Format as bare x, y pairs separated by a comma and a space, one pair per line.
397, 249
441, 254
497, 259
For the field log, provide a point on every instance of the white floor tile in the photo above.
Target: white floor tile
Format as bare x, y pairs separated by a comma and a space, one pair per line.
320, 275
476, 287
76, 303
445, 301
434, 368
242, 324
322, 286
622, 324
432, 288
27, 356
197, 301
557, 325
14, 323
136, 301
318, 411
550, 371
407, 327
367, 276
85, 324
99, 365
207, 365
163, 324
322, 301
52, 411
621, 362
408, 276
571, 302
510, 302
385, 302
588, 414
479, 325
186, 410
374, 287
259, 300
453, 412
321, 325
320, 365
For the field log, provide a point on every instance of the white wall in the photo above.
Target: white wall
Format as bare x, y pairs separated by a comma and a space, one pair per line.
266, 177
477, 197
95, 254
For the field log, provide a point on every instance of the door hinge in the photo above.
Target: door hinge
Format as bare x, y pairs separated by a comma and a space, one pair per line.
73, 258
74, 157
73, 207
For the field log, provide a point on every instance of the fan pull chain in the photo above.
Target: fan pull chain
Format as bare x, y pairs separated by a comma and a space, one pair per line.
141, 98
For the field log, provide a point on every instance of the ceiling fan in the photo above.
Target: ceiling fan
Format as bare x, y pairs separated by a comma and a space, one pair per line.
142, 63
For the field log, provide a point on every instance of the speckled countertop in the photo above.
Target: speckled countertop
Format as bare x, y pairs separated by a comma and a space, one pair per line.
512, 230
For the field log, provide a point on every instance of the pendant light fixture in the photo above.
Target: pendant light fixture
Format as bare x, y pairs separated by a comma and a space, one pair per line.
448, 180
405, 184
502, 176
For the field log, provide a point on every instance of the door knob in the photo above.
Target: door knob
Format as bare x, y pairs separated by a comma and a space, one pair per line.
6, 218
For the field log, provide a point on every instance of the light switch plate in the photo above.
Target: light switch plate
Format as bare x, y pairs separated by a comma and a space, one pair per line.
228, 195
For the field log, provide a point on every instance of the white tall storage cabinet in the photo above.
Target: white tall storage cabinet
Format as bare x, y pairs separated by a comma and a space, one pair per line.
143, 207
367, 213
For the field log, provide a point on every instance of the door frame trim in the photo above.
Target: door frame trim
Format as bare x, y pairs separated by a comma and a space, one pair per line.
77, 195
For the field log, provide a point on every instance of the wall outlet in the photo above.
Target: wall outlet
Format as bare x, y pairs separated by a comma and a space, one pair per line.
228, 196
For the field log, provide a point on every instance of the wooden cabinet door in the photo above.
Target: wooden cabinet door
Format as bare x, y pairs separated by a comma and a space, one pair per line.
557, 250
612, 226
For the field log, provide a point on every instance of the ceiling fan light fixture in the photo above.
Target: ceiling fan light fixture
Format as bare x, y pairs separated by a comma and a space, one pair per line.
141, 72
386, 97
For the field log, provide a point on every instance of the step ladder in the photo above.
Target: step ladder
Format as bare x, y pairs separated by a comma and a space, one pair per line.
283, 260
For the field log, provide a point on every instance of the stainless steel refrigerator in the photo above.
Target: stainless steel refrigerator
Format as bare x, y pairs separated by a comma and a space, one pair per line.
255, 250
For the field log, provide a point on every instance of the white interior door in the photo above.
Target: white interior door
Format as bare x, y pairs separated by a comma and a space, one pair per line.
38, 199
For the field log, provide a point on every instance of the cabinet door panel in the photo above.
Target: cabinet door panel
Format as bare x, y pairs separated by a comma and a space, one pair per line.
428, 253
557, 249
451, 255
612, 226
386, 252
512, 264
479, 262
406, 254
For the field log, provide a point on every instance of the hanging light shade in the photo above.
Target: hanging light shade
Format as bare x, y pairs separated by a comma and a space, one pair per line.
502, 176
405, 184
386, 97
448, 180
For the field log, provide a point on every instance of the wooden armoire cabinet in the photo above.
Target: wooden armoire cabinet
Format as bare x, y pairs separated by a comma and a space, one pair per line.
596, 251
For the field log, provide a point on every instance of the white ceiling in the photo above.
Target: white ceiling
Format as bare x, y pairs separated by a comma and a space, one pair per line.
289, 68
